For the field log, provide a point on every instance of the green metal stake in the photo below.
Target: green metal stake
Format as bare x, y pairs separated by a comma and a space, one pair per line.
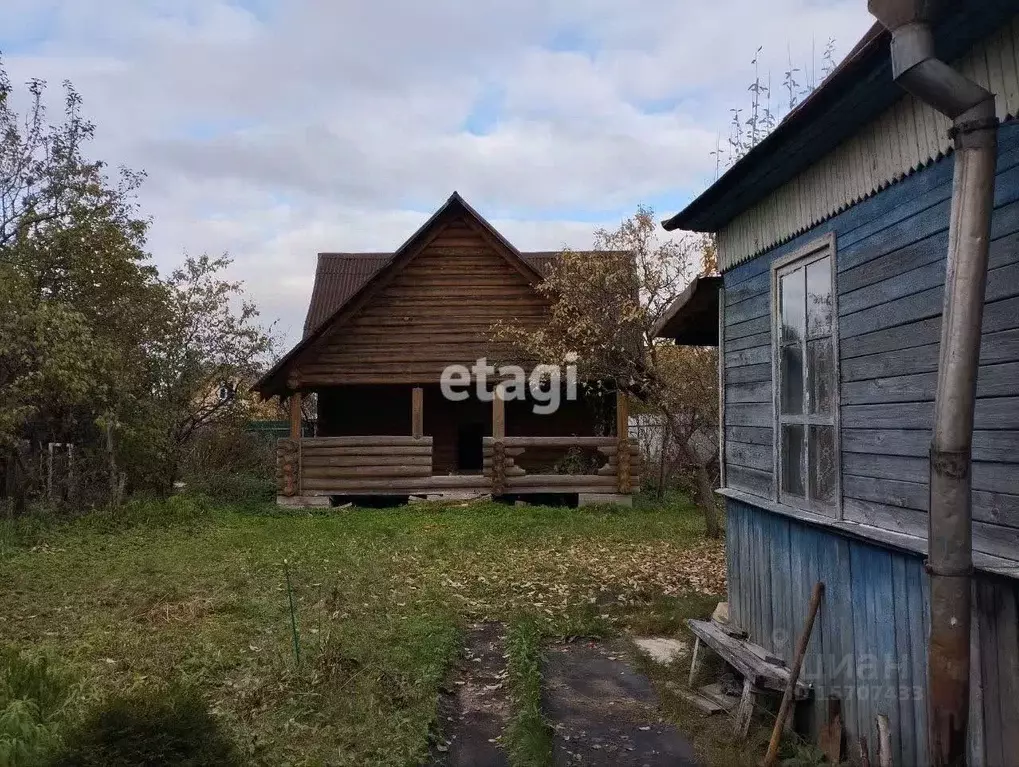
293, 613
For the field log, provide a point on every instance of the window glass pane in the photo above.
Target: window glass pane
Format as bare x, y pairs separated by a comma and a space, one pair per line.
792, 379
819, 303
822, 463
821, 364
791, 295
792, 458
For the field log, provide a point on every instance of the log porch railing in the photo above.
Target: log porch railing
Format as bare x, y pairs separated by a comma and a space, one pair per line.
402, 465
620, 474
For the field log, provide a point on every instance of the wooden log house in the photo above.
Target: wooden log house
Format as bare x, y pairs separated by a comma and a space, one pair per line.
832, 237
381, 328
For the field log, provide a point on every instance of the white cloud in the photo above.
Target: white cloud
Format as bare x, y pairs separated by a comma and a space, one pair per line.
307, 125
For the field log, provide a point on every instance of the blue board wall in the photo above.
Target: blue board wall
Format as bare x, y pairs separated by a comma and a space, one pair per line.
890, 260
869, 644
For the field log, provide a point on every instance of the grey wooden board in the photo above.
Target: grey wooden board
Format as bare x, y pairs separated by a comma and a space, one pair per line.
752, 435
748, 374
997, 380
751, 391
752, 480
995, 413
747, 414
998, 315
748, 455
755, 326
990, 446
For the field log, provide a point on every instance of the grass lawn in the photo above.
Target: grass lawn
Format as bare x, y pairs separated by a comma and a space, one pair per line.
381, 597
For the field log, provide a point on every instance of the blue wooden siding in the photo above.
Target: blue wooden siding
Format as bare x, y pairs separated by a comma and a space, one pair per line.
869, 643
890, 257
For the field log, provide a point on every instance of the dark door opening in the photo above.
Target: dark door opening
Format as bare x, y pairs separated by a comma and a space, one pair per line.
469, 450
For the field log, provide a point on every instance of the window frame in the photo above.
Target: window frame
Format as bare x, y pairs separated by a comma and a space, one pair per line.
802, 258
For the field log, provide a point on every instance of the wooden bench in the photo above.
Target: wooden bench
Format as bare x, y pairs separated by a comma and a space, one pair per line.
762, 671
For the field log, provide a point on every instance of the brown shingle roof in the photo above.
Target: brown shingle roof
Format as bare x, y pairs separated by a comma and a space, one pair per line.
340, 275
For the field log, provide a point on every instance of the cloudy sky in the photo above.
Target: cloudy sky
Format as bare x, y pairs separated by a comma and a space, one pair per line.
274, 129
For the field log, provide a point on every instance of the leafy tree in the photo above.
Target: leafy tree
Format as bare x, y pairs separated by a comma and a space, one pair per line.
211, 348
604, 308
96, 349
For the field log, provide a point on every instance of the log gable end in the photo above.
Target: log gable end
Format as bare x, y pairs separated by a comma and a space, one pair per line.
433, 309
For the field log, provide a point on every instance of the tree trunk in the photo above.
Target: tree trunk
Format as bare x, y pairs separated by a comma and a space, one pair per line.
666, 436
706, 500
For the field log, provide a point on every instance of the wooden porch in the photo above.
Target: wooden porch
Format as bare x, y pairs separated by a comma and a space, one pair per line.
310, 471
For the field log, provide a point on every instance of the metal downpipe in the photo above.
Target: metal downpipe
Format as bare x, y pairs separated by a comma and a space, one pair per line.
950, 522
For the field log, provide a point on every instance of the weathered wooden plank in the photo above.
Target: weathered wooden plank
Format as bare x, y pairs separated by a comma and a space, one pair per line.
752, 435
750, 309
886, 467
748, 414
734, 330
755, 286
916, 610
987, 604
747, 658
903, 723
993, 381
908, 495
901, 311
925, 251
752, 481
748, 374
747, 342
993, 413
902, 507
917, 280
751, 456
916, 265
752, 391
992, 446
754, 356
1008, 665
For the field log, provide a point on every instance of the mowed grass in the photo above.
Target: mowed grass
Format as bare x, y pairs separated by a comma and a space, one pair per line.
381, 598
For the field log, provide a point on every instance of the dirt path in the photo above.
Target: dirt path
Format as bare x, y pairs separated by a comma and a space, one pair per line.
604, 712
475, 709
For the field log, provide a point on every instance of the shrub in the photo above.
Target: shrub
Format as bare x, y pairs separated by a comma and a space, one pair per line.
153, 727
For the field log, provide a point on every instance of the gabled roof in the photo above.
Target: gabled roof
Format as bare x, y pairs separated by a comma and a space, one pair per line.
339, 276
350, 296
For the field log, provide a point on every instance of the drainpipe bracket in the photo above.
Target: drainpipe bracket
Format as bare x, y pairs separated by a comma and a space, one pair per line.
948, 572
954, 464
974, 134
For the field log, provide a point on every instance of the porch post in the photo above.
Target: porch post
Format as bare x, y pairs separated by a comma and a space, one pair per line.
295, 415
417, 412
623, 483
498, 414
499, 446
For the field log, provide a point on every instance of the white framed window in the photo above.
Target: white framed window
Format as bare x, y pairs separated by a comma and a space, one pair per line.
806, 380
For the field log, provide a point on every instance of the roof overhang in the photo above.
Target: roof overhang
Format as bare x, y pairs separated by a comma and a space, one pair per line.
854, 94
692, 319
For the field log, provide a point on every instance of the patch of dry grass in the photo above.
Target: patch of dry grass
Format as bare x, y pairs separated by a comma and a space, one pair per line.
380, 595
